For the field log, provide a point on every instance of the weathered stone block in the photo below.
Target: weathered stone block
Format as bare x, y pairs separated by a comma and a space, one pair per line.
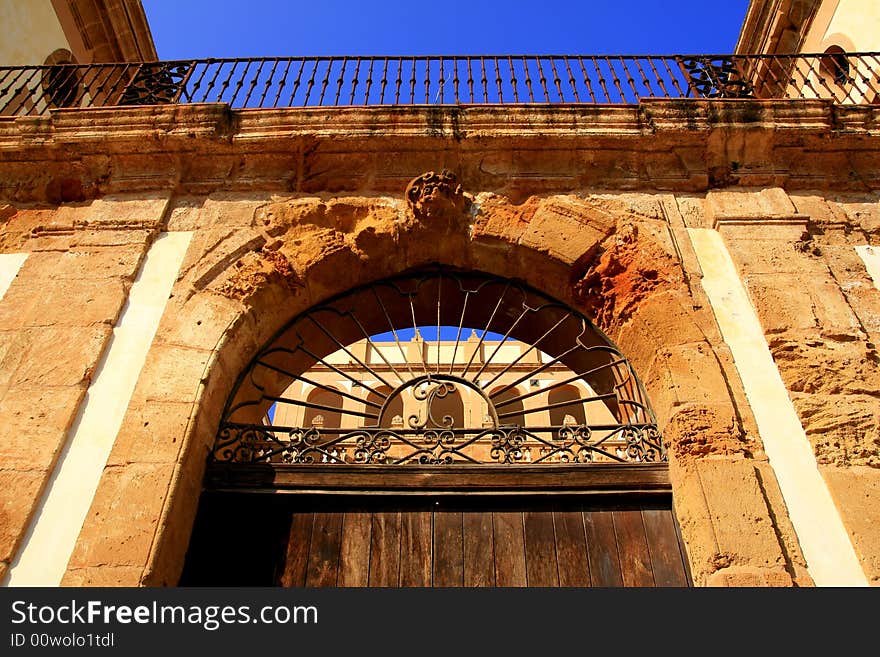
18, 490
171, 373
856, 492
151, 432
55, 355
764, 203
786, 302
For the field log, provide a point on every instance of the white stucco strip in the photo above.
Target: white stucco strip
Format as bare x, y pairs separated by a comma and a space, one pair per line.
51, 537
10, 264
870, 255
831, 559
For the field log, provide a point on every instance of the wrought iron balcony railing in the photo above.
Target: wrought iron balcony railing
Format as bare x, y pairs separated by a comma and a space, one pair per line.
849, 78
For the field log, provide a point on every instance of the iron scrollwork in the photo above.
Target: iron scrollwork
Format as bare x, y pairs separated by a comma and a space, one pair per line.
157, 84
715, 77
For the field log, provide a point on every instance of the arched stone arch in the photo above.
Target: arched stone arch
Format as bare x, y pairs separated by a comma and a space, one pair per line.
611, 259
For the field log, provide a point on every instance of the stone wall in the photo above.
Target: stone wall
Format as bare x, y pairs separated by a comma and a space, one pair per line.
287, 209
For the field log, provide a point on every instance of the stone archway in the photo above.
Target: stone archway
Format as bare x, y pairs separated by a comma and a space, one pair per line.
612, 256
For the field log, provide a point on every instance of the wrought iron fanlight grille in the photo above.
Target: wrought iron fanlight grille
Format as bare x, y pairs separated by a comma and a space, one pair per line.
439, 367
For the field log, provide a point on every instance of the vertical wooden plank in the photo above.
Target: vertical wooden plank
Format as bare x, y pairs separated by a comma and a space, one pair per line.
479, 549
540, 543
571, 548
448, 549
385, 549
510, 551
667, 558
632, 546
415, 547
354, 553
602, 549
297, 558
324, 552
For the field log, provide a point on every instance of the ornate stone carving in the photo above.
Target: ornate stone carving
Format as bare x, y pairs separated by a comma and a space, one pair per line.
436, 197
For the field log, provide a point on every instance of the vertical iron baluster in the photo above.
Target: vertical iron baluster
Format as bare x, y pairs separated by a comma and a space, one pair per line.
354, 80
311, 81
658, 77
325, 81
106, 94
427, 80
121, 79
601, 79
556, 80
228, 80
645, 80
528, 80
9, 87
412, 81
615, 79
25, 90
383, 81
198, 83
681, 94
339, 82
399, 80
470, 80
282, 82
587, 80
571, 81
498, 82
629, 79
484, 80
253, 84
268, 83
296, 82
441, 93
513, 79
455, 80
542, 80
210, 88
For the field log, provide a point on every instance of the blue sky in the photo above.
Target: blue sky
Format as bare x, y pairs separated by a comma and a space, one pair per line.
220, 28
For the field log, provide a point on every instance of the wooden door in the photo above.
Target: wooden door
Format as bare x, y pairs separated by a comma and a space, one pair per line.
504, 541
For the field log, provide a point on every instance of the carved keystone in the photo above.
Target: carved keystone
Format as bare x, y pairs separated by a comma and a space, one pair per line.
436, 197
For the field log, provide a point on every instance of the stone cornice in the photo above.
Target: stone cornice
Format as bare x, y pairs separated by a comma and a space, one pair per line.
685, 145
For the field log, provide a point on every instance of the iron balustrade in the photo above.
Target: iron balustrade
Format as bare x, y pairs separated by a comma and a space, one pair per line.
848, 78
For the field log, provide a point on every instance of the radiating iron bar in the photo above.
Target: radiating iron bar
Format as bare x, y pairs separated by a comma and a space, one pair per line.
568, 402
513, 81
268, 82
557, 384
531, 373
467, 295
325, 81
330, 366
556, 80
416, 334
601, 79
571, 81
354, 80
501, 342
376, 349
587, 80
282, 82
253, 84
304, 379
485, 330
339, 82
296, 82
345, 349
393, 332
542, 80
525, 353
320, 407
